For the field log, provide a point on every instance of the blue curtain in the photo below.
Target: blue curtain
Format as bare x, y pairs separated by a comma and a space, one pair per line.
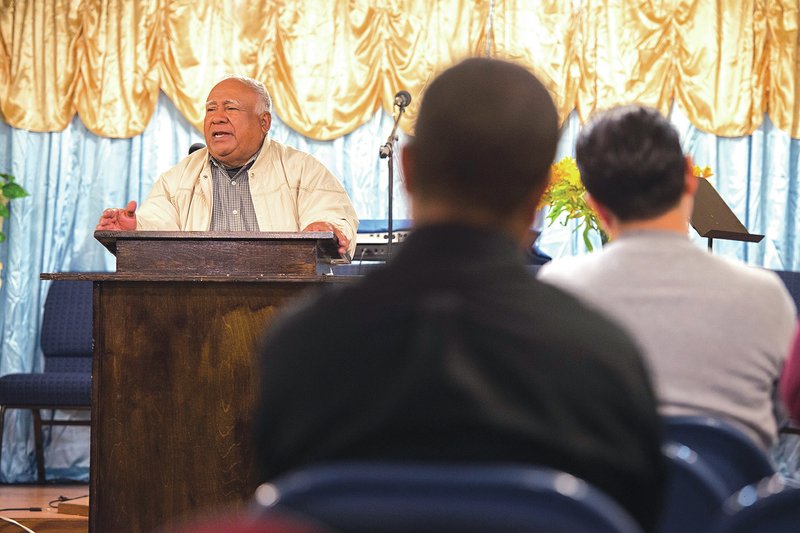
73, 175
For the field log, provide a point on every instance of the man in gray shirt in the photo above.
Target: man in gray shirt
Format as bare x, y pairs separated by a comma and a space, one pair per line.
714, 332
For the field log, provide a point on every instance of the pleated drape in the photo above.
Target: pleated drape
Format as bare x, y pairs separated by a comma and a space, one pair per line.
331, 64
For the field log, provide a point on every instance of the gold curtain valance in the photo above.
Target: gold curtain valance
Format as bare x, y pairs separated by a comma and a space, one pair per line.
330, 64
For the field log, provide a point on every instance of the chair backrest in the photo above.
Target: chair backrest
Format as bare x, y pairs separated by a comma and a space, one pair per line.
769, 506
728, 451
695, 493
382, 497
66, 333
792, 282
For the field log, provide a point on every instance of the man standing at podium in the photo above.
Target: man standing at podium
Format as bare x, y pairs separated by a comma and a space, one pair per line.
453, 352
243, 180
715, 332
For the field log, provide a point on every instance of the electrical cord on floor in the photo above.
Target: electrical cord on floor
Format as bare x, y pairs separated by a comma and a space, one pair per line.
10, 521
55, 503
52, 503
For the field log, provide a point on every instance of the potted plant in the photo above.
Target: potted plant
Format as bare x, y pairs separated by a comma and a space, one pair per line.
9, 190
565, 196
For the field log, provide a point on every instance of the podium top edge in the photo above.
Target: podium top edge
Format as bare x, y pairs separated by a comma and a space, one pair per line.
101, 235
325, 240
109, 238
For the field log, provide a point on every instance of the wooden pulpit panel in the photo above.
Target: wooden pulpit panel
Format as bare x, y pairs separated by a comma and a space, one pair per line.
192, 253
175, 384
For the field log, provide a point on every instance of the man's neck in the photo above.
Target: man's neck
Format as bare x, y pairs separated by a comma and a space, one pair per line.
438, 213
675, 220
228, 167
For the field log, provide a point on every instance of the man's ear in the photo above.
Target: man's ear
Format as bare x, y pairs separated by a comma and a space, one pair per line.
689, 179
266, 122
601, 210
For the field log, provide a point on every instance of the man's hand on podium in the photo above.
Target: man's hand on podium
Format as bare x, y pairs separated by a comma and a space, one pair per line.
118, 219
344, 242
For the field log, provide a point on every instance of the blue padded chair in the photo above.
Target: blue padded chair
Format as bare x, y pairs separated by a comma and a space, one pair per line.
792, 282
66, 383
695, 493
395, 496
728, 451
769, 506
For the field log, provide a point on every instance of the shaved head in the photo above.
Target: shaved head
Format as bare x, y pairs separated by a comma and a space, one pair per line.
485, 137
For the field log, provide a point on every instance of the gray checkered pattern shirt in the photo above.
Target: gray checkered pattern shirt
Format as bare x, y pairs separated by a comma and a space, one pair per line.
233, 205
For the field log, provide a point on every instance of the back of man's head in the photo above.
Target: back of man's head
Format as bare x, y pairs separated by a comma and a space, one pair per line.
631, 162
486, 135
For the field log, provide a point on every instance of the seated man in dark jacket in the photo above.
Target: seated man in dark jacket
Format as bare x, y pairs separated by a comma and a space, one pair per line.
453, 351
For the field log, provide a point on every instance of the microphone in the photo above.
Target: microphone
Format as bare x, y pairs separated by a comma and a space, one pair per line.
402, 99
195, 147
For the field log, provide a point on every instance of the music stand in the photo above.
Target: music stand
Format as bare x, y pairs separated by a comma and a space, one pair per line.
713, 219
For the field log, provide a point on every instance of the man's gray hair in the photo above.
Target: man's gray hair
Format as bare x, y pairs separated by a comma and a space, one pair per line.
265, 102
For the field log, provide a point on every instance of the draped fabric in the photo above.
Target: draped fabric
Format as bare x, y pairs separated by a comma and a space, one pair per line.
333, 63
101, 96
72, 175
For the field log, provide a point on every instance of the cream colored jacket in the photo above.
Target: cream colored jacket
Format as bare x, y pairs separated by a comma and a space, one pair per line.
290, 190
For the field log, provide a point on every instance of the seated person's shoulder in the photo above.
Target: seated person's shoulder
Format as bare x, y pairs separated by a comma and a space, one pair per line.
575, 322
323, 310
570, 271
754, 280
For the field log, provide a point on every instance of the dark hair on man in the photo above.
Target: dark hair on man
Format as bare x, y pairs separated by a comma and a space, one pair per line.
486, 135
631, 161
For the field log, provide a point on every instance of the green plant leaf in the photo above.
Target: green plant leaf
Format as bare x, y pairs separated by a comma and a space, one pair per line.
565, 195
586, 239
2, 237
12, 190
4, 212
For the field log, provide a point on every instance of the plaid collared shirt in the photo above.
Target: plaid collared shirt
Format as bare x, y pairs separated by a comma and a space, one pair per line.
233, 206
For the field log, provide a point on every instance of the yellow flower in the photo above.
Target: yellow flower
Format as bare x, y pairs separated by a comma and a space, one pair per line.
566, 169
564, 175
704, 172
565, 197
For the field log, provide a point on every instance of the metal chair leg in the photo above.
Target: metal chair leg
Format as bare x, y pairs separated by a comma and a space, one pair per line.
37, 438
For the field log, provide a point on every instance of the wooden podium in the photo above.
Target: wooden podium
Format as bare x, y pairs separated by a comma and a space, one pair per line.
174, 375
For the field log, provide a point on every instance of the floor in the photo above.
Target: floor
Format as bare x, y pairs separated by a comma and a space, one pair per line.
72, 518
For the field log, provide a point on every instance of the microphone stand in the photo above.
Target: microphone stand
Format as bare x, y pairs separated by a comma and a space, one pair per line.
387, 152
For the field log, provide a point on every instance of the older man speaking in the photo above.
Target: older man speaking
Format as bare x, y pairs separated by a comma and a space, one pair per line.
243, 180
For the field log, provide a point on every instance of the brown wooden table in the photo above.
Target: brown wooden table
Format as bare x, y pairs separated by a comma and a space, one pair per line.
174, 387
